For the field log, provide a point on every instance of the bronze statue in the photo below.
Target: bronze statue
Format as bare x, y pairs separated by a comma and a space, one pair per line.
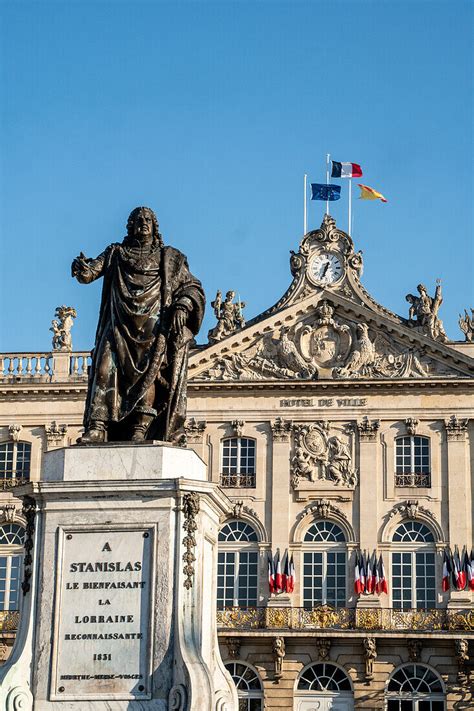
151, 308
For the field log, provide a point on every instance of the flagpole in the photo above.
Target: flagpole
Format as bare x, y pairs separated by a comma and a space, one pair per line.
327, 180
305, 207
349, 231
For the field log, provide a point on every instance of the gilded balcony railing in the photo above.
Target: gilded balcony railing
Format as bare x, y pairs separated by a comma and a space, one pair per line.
9, 620
325, 617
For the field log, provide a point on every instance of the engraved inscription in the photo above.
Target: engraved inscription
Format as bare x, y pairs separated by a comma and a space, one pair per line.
102, 622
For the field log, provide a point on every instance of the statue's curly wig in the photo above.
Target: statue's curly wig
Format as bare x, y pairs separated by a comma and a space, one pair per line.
131, 219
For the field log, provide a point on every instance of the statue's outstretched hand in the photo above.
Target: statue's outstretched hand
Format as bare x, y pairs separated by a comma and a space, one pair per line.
80, 265
179, 320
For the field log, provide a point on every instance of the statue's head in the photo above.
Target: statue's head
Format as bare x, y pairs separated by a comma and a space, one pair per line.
230, 296
422, 289
142, 226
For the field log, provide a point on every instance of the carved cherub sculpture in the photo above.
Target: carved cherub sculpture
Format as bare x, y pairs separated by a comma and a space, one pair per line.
466, 324
61, 329
423, 312
229, 316
278, 648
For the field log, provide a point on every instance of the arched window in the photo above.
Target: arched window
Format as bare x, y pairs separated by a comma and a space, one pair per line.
324, 677
413, 567
415, 687
248, 684
237, 566
15, 460
412, 461
12, 538
324, 565
238, 462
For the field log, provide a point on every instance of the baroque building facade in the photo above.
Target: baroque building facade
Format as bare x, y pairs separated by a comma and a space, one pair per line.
338, 430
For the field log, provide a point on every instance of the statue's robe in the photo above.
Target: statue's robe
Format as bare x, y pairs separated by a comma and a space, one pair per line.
135, 347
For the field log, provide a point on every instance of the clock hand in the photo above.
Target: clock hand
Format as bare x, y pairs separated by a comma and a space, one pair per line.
326, 267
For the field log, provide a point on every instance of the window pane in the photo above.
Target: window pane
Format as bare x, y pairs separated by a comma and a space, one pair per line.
225, 579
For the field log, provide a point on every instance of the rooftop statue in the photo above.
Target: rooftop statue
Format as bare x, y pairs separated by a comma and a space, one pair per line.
229, 316
466, 324
62, 340
151, 308
424, 312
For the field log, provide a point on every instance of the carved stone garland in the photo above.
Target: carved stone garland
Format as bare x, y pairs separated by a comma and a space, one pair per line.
29, 512
191, 505
317, 456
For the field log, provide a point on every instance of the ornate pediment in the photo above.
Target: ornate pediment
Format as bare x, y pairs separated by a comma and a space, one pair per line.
327, 341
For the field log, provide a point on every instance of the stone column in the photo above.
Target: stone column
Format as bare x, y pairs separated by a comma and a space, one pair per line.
281, 491
459, 495
368, 494
119, 605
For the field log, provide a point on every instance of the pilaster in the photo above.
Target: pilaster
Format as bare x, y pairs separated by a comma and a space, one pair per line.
369, 484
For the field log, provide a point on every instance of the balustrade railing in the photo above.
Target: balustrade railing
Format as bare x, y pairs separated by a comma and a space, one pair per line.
57, 366
326, 617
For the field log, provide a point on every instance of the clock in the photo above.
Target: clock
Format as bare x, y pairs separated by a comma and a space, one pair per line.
325, 268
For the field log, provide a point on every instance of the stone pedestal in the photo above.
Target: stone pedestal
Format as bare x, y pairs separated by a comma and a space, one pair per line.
119, 611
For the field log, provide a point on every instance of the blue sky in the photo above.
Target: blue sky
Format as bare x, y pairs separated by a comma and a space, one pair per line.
211, 113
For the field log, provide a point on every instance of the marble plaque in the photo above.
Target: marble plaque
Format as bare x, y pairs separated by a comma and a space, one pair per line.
102, 632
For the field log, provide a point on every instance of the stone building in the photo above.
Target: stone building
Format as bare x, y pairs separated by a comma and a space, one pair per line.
337, 428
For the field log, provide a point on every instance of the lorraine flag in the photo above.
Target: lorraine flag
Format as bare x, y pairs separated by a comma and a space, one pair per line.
345, 170
367, 193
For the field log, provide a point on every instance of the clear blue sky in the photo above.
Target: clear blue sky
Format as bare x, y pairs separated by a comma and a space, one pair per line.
210, 113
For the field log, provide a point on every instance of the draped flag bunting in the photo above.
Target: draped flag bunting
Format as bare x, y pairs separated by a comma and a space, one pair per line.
383, 577
290, 581
271, 574
470, 571
463, 569
456, 569
447, 571
357, 586
278, 575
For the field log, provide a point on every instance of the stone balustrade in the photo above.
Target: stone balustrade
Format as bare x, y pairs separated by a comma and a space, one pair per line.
343, 618
56, 366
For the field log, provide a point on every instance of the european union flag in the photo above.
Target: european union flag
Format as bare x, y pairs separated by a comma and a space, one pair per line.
320, 191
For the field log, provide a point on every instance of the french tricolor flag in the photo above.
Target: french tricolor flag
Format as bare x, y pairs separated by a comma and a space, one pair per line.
345, 170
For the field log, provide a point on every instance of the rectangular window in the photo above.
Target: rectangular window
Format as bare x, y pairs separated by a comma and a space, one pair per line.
10, 571
324, 578
238, 462
413, 580
412, 461
225, 579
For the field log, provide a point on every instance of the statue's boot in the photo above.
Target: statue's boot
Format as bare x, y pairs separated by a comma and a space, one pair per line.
95, 434
141, 426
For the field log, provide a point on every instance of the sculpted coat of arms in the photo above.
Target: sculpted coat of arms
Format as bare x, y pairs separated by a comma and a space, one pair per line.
318, 456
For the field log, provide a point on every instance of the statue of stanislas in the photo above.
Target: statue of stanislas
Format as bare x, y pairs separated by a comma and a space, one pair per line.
151, 308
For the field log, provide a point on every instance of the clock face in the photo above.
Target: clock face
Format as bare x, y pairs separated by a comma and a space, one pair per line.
325, 268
